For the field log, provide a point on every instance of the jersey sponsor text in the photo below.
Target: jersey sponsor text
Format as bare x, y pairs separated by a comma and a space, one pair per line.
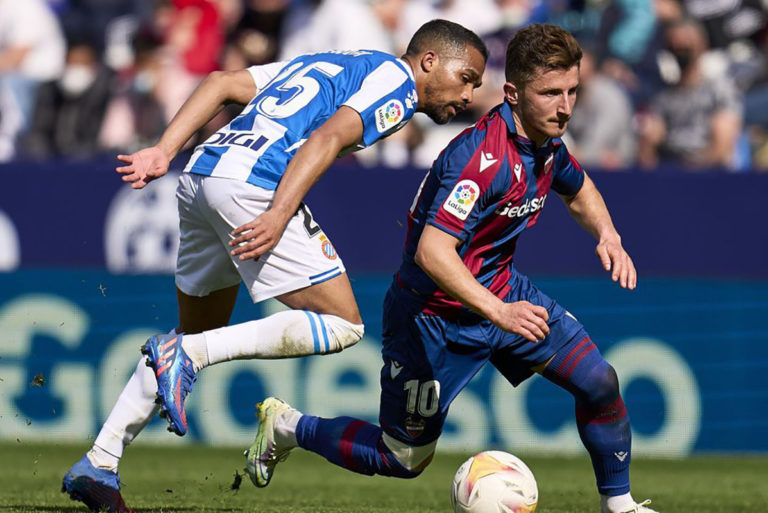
529, 206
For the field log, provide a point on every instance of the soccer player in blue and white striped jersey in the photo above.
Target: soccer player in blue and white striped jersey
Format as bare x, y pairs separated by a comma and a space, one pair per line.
239, 224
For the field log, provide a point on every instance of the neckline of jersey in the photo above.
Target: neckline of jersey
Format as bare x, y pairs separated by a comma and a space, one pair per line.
505, 111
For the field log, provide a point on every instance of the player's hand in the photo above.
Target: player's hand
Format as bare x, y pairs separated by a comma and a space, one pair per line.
143, 166
524, 319
255, 238
617, 261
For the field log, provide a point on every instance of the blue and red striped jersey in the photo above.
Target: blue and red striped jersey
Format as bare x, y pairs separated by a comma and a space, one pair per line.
486, 187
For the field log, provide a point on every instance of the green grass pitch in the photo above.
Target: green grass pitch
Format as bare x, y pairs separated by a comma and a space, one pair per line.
200, 479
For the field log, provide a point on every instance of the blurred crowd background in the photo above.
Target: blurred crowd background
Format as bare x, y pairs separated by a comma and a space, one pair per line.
666, 84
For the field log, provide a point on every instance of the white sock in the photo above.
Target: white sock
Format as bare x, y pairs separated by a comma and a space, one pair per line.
196, 349
282, 335
285, 428
133, 410
100, 458
616, 503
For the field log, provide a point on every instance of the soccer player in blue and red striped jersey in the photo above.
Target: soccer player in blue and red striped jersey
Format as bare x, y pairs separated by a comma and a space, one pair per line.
458, 302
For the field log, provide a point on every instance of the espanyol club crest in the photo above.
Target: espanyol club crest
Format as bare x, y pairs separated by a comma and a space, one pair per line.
414, 427
328, 250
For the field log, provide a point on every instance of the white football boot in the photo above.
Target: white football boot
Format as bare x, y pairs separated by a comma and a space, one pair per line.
641, 508
266, 451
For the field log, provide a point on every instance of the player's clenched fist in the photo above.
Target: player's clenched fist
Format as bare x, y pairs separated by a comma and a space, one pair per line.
524, 319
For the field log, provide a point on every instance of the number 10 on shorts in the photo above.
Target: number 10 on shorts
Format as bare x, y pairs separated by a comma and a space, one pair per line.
426, 395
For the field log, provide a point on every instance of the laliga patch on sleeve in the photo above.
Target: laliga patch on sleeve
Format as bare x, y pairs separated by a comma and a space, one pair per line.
389, 115
461, 200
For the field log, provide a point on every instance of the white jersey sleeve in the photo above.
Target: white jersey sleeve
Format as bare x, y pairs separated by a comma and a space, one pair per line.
263, 75
378, 101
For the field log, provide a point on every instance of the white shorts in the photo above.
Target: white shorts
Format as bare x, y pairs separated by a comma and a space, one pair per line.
210, 208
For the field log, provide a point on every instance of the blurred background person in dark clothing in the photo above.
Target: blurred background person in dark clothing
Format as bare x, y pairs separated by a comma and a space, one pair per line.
697, 119
69, 111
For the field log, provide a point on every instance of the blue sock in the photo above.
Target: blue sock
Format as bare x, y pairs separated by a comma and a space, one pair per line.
351, 444
601, 416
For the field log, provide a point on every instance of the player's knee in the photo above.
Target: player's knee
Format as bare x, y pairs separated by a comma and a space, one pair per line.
603, 385
412, 459
341, 333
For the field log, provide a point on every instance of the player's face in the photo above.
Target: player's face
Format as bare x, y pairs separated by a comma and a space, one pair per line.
450, 85
545, 104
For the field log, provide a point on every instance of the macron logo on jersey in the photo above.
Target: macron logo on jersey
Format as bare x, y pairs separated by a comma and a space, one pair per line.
389, 115
518, 169
461, 200
486, 160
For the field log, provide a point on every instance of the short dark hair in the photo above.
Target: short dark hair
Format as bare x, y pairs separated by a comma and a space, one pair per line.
537, 46
445, 36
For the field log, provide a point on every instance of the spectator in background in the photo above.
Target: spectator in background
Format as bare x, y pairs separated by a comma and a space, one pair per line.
99, 20
135, 116
629, 37
31, 52
256, 34
338, 24
696, 121
69, 111
600, 133
756, 113
514, 14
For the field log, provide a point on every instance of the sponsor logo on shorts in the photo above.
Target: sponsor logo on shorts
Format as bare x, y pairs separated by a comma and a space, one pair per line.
414, 427
389, 115
328, 250
462, 199
530, 206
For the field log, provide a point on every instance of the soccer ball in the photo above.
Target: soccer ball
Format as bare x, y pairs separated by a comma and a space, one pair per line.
494, 482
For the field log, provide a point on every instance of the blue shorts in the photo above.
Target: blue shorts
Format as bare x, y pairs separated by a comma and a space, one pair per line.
428, 359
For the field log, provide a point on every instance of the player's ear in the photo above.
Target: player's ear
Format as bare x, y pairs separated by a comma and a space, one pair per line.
511, 93
429, 61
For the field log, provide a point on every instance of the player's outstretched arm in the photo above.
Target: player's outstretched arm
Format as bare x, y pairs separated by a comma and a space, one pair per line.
218, 89
340, 131
589, 210
437, 256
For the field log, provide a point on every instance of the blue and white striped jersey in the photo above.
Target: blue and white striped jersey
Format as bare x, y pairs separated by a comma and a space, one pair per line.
296, 97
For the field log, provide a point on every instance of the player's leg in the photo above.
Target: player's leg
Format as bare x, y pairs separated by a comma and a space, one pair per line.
324, 319
94, 479
569, 358
601, 417
198, 314
351, 443
420, 378
206, 290
303, 271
